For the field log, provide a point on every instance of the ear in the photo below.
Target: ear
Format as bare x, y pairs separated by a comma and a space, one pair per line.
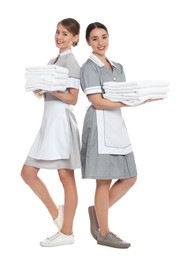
76, 38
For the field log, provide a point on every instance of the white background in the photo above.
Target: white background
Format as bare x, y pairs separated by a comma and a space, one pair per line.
149, 39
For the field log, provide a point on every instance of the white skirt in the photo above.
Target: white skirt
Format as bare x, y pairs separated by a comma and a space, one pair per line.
57, 144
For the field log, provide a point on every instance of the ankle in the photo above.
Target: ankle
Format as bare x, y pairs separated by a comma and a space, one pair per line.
66, 232
104, 232
55, 214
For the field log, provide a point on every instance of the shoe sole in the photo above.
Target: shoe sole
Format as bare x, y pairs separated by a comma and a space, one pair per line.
93, 222
61, 244
114, 245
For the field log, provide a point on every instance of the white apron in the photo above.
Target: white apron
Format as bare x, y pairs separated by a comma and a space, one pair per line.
53, 139
112, 133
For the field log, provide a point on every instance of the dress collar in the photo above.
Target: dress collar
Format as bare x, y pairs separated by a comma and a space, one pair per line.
65, 52
97, 61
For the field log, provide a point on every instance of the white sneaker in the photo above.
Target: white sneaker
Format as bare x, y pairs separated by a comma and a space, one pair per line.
58, 239
59, 220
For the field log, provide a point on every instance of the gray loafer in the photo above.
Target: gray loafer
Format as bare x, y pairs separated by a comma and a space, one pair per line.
112, 240
94, 227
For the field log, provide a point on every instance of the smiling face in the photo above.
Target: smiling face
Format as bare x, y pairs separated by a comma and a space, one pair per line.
98, 40
64, 39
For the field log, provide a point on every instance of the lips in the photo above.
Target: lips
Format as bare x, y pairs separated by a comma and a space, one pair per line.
101, 48
59, 42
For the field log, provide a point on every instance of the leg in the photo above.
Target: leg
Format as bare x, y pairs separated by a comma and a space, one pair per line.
30, 176
70, 199
102, 204
105, 197
119, 189
102, 200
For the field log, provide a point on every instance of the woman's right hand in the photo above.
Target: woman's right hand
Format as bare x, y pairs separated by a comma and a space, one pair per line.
38, 93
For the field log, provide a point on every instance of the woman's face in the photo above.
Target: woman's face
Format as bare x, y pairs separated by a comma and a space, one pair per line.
98, 40
63, 38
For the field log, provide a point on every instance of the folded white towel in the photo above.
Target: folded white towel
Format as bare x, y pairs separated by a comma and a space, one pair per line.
46, 78
29, 87
138, 92
134, 101
47, 68
54, 82
120, 84
45, 75
134, 84
135, 92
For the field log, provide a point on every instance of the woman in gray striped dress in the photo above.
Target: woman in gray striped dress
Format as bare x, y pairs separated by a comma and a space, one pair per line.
106, 153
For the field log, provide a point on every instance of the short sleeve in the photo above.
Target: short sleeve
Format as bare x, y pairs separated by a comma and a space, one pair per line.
69, 61
89, 78
74, 72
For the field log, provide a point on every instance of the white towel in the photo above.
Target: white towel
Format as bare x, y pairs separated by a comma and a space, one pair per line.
139, 92
47, 68
46, 78
44, 87
44, 75
135, 93
54, 82
134, 84
134, 101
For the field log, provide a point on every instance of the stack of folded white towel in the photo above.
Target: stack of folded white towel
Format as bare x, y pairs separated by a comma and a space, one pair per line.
46, 78
135, 92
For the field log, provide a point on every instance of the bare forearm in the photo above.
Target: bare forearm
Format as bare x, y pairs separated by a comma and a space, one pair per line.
101, 103
69, 98
107, 104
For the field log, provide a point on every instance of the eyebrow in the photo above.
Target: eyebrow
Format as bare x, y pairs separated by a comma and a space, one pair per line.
105, 34
62, 31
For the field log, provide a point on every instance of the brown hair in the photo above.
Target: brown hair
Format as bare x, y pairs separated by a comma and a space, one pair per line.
72, 26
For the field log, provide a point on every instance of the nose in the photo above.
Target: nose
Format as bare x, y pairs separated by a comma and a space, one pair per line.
59, 36
100, 41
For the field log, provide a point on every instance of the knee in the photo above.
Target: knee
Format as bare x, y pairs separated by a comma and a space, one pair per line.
128, 183
23, 174
62, 180
132, 181
66, 177
28, 175
103, 184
